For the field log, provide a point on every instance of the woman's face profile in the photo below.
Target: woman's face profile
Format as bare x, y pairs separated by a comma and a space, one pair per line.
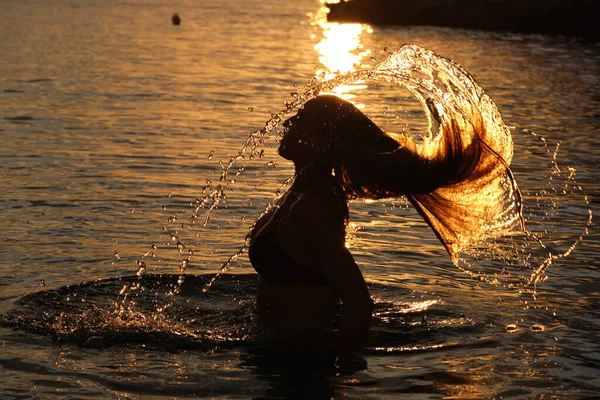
302, 137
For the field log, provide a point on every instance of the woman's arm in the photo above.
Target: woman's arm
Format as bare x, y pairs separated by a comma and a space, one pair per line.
311, 235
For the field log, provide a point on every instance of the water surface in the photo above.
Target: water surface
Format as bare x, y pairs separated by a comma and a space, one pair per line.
109, 115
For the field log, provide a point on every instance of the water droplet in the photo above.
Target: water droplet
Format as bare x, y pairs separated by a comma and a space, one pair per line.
117, 255
142, 268
133, 210
250, 109
185, 262
154, 247
124, 289
511, 327
271, 164
210, 156
173, 219
42, 282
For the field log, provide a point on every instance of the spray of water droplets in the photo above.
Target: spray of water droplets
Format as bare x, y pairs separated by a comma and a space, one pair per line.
513, 245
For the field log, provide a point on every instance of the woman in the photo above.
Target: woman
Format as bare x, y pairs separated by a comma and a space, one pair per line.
298, 248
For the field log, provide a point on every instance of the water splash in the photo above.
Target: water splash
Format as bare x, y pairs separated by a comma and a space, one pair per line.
492, 233
83, 313
222, 318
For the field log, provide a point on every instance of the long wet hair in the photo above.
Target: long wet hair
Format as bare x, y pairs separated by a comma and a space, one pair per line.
451, 182
349, 134
361, 154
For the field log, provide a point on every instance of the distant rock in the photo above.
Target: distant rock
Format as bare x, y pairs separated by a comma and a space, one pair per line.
554, 17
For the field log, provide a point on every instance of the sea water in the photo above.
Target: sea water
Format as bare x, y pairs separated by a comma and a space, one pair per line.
113, 122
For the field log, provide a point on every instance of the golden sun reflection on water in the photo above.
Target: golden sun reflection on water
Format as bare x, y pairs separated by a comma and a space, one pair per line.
340, 51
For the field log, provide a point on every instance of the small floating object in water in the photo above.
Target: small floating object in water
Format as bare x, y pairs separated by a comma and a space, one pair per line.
176, 19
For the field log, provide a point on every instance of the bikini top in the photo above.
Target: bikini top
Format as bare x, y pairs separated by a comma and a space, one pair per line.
272, 263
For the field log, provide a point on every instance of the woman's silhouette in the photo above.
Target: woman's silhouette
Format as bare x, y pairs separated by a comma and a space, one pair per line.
298, 248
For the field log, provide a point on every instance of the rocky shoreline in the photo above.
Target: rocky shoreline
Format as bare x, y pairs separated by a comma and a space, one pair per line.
553, 17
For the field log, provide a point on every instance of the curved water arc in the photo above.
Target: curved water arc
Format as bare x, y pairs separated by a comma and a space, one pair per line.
448, 93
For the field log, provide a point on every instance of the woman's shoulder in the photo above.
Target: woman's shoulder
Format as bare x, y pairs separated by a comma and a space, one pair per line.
320, 204
323, 187
322, 194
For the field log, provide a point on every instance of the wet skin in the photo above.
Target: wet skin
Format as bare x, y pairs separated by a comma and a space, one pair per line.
310, 234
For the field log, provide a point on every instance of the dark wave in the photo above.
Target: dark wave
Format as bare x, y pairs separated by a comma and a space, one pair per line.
91, 314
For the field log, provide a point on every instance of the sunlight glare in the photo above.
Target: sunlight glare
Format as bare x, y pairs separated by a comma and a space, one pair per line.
337, 49
340, 51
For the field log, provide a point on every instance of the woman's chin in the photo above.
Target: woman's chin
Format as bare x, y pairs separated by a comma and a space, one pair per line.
285, 153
